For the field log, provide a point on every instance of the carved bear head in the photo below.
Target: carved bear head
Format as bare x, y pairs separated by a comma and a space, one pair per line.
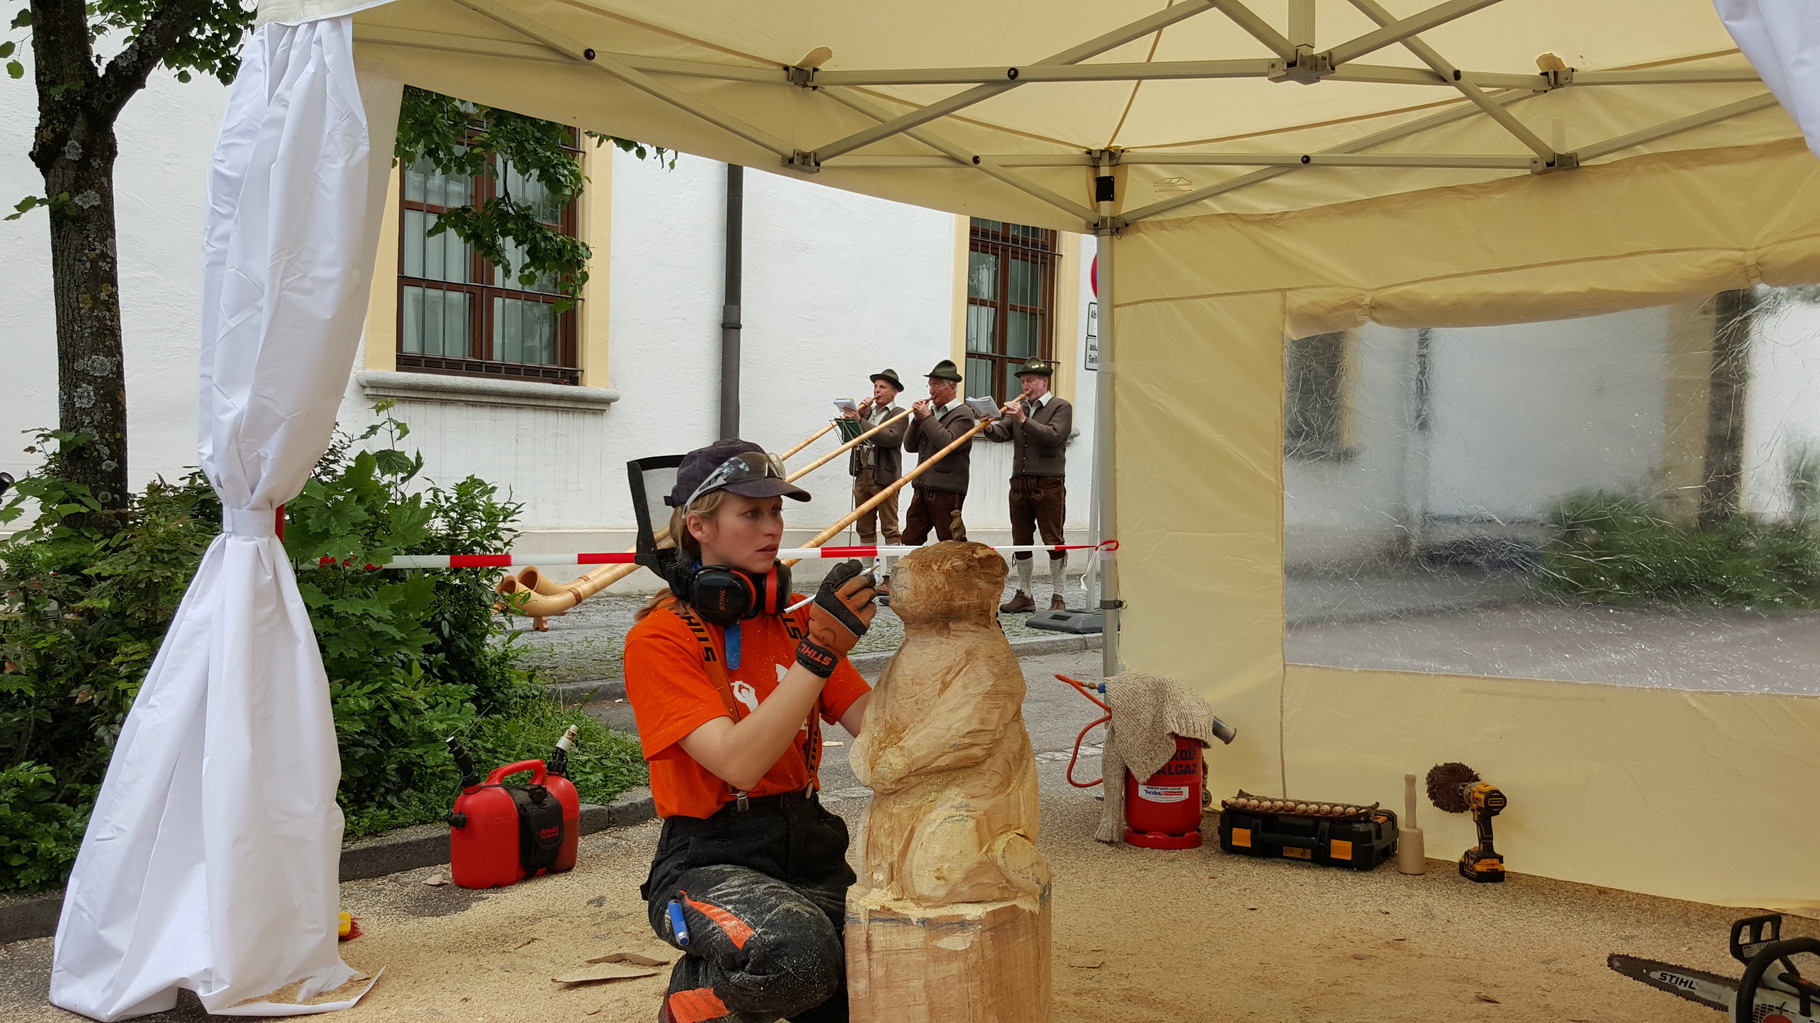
952, 581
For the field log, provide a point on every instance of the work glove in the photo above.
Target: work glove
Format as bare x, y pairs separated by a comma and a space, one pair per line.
840, 614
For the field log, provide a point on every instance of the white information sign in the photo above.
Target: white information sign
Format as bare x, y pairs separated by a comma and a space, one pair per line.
1093, 336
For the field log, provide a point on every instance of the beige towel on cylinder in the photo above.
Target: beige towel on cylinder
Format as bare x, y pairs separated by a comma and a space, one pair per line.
1148, 711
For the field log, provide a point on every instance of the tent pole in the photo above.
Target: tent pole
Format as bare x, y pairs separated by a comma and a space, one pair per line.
730, 311
1105, 478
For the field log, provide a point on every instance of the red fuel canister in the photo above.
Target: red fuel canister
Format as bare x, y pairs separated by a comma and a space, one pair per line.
500, 834
1164, 810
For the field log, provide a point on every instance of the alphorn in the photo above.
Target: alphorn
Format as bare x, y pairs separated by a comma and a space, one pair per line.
539, 604
855, 442
879, 498
544, 597
534, 581
812, 438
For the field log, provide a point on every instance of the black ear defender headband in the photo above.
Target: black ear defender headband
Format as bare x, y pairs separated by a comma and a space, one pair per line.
725, 595
719, 594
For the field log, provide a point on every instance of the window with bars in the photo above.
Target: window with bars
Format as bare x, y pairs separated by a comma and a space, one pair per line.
1010, 305
459, 313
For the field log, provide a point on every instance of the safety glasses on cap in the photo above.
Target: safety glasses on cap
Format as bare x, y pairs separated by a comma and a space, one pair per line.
748, 465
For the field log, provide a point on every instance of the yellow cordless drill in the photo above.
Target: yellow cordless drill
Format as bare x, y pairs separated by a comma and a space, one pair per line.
1456, 788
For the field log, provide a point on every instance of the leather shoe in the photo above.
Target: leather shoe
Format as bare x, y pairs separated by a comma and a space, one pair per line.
1020, 602
1056, 603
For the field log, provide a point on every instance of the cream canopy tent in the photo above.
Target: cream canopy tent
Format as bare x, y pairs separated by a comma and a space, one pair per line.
1255, 169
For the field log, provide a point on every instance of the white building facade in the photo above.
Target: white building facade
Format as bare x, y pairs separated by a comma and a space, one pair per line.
835, 287
1425, 446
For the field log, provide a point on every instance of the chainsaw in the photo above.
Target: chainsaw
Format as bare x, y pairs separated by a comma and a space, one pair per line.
1771, 990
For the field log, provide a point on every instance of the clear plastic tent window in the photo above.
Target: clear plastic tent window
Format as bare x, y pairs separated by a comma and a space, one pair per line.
1631, 498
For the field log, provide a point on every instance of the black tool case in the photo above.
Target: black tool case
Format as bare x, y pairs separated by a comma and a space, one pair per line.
1360, 842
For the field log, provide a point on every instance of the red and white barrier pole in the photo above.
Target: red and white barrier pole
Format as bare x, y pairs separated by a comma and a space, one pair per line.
515, 560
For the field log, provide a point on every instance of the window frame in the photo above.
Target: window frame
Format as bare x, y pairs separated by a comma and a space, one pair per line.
1005, 241
477, 363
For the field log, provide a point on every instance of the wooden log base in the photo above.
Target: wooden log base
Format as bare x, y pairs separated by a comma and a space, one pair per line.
979, 962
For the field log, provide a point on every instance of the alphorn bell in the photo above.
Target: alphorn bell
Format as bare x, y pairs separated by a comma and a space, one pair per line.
539, 604
544, 597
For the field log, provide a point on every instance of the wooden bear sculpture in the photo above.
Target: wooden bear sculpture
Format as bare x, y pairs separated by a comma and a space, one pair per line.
950, 918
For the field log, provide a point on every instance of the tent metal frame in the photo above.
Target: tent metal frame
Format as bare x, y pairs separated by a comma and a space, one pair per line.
1293, 59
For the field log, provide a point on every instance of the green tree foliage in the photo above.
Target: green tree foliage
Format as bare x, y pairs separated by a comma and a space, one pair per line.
463, 139
81, 92
82, 611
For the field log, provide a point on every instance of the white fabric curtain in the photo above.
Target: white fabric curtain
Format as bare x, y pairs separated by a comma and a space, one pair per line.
211, 860
1781, 39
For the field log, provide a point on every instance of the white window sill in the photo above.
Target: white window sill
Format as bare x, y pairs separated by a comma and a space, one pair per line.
483, 391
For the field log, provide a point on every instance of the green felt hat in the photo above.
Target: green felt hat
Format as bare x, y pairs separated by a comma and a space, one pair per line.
945, 370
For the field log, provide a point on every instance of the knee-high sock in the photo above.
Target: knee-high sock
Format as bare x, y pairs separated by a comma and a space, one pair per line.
1058, 573
1023, 575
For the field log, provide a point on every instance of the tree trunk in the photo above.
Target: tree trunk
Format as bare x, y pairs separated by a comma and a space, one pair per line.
91, 372
74, 148
1734, 317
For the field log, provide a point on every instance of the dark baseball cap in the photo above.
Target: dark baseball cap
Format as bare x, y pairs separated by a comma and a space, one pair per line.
757, 474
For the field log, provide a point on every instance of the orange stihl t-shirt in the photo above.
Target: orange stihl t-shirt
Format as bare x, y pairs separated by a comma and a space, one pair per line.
672, 695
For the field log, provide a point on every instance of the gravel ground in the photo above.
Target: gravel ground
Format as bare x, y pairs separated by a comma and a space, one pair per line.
1139, 935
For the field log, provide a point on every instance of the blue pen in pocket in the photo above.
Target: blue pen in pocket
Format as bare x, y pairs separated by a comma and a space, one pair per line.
678, 926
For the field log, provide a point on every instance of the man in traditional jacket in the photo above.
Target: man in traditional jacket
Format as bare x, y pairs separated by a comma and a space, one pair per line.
1037, 427
937, 495
877, 462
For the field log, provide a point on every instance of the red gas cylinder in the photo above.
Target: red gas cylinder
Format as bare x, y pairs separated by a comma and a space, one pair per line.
500, 834
1164, 810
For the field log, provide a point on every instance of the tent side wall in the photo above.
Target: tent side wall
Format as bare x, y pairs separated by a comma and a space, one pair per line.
1641, 789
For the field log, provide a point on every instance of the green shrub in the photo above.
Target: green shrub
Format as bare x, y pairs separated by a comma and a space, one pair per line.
602, 763
82, 611
1618, 549
411, 657
41, 823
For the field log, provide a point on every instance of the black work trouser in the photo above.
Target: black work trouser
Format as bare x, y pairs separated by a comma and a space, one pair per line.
763, 892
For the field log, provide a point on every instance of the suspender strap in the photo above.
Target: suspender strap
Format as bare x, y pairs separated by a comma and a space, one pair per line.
812, 742
717, 675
